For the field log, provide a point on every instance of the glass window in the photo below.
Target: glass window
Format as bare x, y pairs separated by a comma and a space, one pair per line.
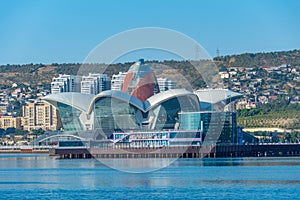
115, 115
69, 117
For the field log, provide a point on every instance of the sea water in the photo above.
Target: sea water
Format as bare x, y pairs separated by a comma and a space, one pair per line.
38, 176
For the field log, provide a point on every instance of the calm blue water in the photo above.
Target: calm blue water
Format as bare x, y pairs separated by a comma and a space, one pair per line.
42, 177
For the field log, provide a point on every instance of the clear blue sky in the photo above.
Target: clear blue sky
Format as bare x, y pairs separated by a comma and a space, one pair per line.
48, 31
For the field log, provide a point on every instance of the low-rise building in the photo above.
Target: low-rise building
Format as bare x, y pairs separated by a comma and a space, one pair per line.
10, 122
263, 99
224, 75
233, 73
3, 107
245, 104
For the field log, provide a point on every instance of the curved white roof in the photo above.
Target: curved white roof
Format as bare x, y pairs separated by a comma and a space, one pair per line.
77, 100
163, 96
123, 96
84, 102
216, 95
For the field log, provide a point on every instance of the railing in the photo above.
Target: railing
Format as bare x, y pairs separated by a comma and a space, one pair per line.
120, 139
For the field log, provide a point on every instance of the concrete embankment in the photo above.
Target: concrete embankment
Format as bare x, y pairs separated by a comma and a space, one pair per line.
17, 149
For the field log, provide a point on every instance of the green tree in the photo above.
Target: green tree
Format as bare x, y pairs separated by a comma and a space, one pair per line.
38, 131
10, 131
2, 132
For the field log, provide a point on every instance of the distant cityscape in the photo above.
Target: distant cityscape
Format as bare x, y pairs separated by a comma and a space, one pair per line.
262, 85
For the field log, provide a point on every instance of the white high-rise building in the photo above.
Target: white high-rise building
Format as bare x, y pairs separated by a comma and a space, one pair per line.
95, 83
166, 84
118, 80
88, 85
65, 83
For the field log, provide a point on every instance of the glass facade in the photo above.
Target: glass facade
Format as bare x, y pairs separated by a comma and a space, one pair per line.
56, 140
167, 112
215, 126
190, 121
116, 115
70, 117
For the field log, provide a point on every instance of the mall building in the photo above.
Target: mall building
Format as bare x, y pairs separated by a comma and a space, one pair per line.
141, 115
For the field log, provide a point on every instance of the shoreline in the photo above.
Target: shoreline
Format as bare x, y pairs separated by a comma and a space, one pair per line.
269, 129
219, 151
24, 151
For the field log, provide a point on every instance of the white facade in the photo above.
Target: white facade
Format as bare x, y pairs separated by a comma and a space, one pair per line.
88, 86
166, 84
118, 80
95, 83
65, 83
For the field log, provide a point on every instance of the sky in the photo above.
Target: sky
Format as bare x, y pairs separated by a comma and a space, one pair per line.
64, 31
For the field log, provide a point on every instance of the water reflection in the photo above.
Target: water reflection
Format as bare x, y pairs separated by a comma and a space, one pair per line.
251, 182
44, 172
19, 156
262, 161
138, 165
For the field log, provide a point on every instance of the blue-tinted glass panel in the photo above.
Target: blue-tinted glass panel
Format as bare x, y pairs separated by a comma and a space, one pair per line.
69, 117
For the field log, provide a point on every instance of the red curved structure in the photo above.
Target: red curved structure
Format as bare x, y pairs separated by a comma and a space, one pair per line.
140, 81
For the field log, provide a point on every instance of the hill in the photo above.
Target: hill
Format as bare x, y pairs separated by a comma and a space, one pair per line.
260, 59
40, 75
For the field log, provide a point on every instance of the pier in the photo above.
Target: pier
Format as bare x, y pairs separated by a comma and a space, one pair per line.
219, 151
